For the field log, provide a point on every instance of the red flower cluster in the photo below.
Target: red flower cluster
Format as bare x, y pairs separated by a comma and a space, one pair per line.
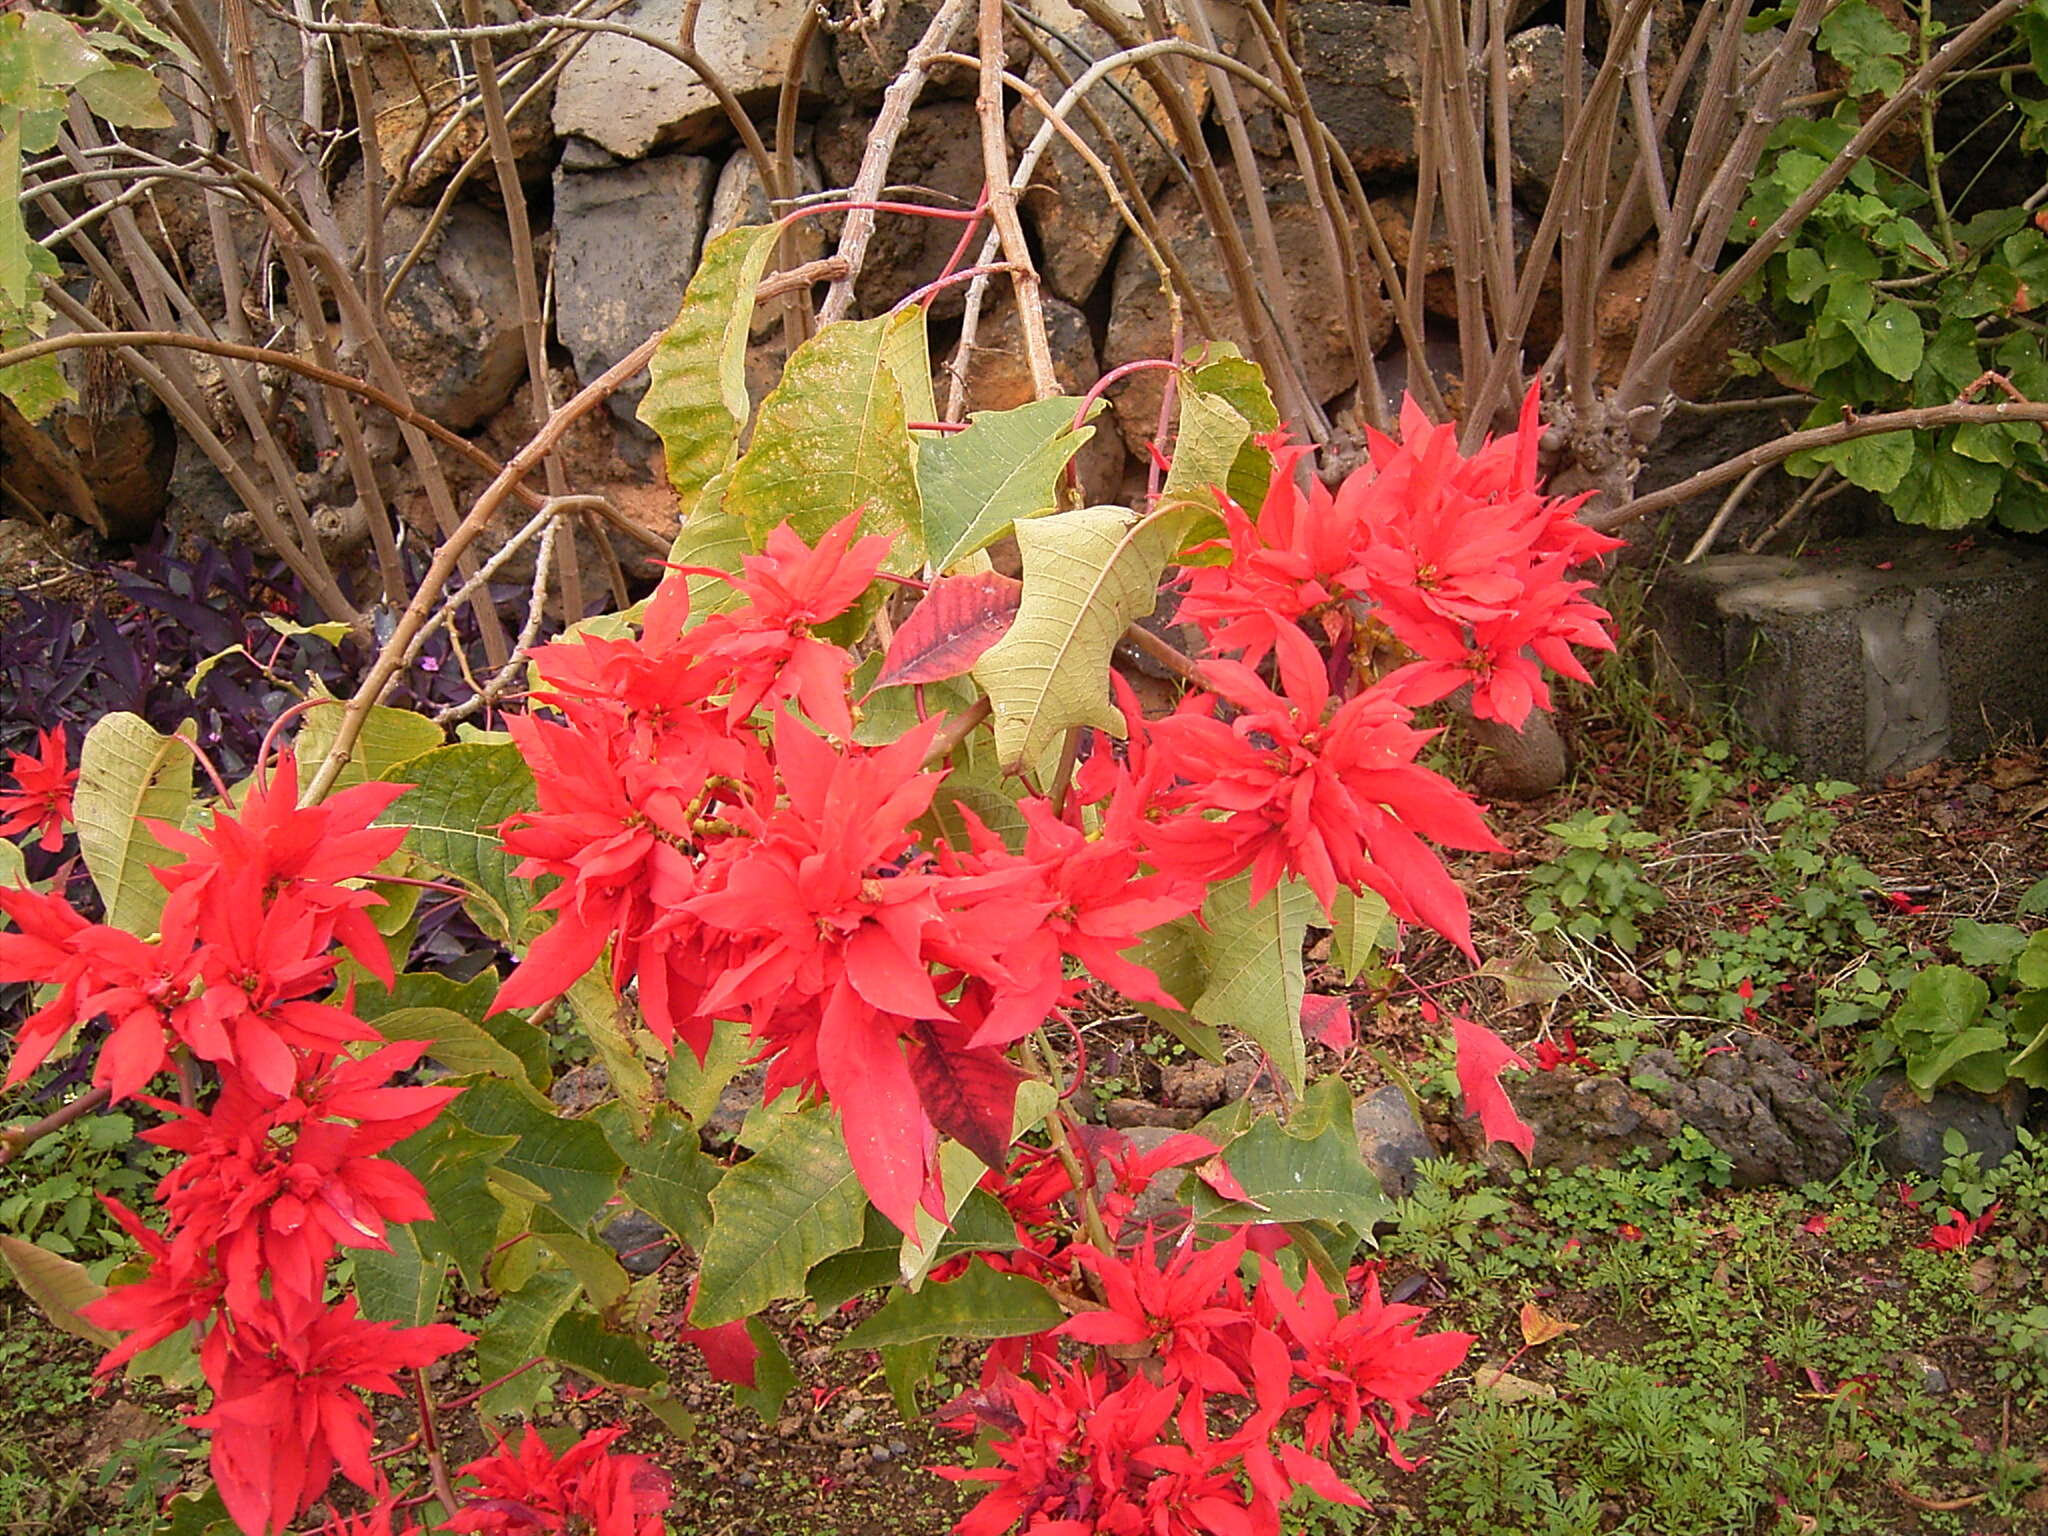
590, 1487
753, 869
1203, 1402
280, 1169
41, 798
1463, 561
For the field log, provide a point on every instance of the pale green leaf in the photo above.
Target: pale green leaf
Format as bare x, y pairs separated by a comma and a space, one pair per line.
959, 1171
389, 737
1087, 575
454, 1164
601, 1018
570, 1159
459, 1044
525, 1043
696, 400
832, 439
459, 797
129, 774
668, 1174
1004, 469
595, 1266
13, 869
794, 1202
518, 1331
126, 95
1359, 925
1253, 958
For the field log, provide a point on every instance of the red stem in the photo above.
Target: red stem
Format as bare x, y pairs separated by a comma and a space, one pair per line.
1120, 371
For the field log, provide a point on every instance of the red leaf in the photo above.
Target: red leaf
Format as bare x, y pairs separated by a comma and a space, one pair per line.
1327, 1020
1217, 1175
729, 1350
959, 618
970, 1095
1482, 1057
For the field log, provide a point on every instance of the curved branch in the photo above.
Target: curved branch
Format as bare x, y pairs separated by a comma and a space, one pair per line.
1924, 419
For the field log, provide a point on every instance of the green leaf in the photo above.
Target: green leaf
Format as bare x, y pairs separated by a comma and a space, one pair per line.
1253, 958
1205, 449
1943, 489
13, 868
1291, 1176
981, 1304
906, 1367
126, 95
2031, 970
1891, 338
38, 386
460, 795
1087, 575
697, 1087
58, 53
58, 1287
583, 1343
454, 1163
868, 1265
774, 1376
1928, 1070
696, 400
1004, 469
832, 439
596, 1268
403, 1285
458, 1043
129, 774
389, 737
602, 1019
1978, 943
669, 1176
1941, 1001
1239, 383
1876, 463
519, 1330
1359, 925
510, 1032
794, 1202
570, 1159
959, 1171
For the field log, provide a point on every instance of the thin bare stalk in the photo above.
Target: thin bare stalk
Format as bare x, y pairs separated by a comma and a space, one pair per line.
1002, 201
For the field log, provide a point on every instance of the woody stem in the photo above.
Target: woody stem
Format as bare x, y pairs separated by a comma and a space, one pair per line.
430, 1441
1063, 1149
18, 1139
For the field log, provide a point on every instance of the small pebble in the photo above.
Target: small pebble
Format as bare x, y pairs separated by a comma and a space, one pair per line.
748, 1479
878, 1453
898, 1448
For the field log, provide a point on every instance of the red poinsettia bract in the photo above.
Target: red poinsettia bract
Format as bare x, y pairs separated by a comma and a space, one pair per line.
41, 798
529, 1490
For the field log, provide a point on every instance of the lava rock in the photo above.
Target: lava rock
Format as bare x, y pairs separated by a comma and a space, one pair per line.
1390, 1139
453, 325
641, 1242
1914, 1128
1193, 1085
1125, 1114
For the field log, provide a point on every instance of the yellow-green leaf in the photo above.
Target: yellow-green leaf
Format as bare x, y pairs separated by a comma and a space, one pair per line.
833, 439
696, 399
1253, 958
794, 1202
129, 774
58, 1287
389, 737
1004, 469
1087, 575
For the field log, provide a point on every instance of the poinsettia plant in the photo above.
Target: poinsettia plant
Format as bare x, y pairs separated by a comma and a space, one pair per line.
841, 800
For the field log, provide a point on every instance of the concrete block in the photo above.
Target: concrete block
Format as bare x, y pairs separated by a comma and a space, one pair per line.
1870, 657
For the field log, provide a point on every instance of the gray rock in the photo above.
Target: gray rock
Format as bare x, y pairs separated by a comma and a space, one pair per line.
625, 96
581, 1089
940, 151
626, 242
419, 89
454, 322
1390, 1139
1078, 227
1772, 1115
1867, 658
641, 1242
1536, 104
1140, 326
871, 49
1363, 75
1913, 1128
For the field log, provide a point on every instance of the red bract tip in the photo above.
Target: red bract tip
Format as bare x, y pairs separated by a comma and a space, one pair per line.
43, 793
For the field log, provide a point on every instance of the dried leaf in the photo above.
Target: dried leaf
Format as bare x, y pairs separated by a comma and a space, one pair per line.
1504, 1387
1540, 1327
1527, 979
